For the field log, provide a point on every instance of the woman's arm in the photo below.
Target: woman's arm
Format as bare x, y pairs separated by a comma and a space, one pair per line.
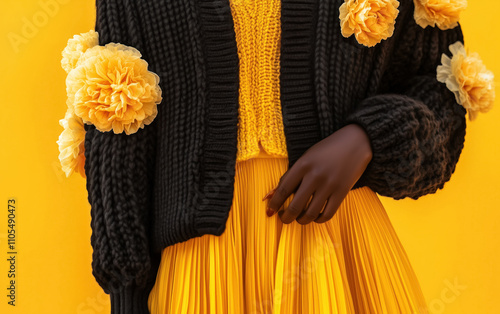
120, 176
404, 141
415, 126
119, 171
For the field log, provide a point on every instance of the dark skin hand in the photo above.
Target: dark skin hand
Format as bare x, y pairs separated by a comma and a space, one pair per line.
326, 172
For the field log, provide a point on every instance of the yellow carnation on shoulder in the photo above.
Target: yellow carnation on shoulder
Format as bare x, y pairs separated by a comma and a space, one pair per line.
469, 79
371, 21
71, 144
76, 47
112, 89
444, 14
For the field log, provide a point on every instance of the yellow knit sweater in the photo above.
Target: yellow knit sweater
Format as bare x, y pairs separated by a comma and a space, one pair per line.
258, 31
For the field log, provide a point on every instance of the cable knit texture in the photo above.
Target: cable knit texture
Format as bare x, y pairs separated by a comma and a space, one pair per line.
257, 28
173, 180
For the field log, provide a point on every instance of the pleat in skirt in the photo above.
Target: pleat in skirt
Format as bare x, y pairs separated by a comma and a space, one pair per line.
354, 263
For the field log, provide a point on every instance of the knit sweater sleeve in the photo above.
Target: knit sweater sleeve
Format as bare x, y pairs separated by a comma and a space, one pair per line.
415, 126
120, 176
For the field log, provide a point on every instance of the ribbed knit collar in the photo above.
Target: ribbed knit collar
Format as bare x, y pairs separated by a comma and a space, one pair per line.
298, 101
221, 121
300, 112
300, 116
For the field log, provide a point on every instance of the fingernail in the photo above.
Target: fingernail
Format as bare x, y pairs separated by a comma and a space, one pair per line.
269, 194
270, 212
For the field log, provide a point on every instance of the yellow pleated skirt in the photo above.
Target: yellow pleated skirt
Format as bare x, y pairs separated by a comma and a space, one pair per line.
353, 263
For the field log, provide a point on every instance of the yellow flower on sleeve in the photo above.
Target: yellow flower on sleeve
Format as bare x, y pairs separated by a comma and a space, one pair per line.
76, 47
71, 144
108, 86
444, 14
112, 89
469, 79
371, 21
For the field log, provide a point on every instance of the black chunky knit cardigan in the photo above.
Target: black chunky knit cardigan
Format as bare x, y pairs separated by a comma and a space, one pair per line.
173, 180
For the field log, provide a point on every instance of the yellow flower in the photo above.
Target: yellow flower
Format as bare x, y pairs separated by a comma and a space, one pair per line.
441, 13
112, 88
467, 77
71, 144
76, 47
370, 21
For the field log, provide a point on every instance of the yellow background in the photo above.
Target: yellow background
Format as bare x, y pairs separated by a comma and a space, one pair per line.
451, 237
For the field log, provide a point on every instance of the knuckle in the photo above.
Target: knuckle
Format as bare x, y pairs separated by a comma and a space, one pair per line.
320, 173
294, 208
303, 163
331, 183
282, 191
